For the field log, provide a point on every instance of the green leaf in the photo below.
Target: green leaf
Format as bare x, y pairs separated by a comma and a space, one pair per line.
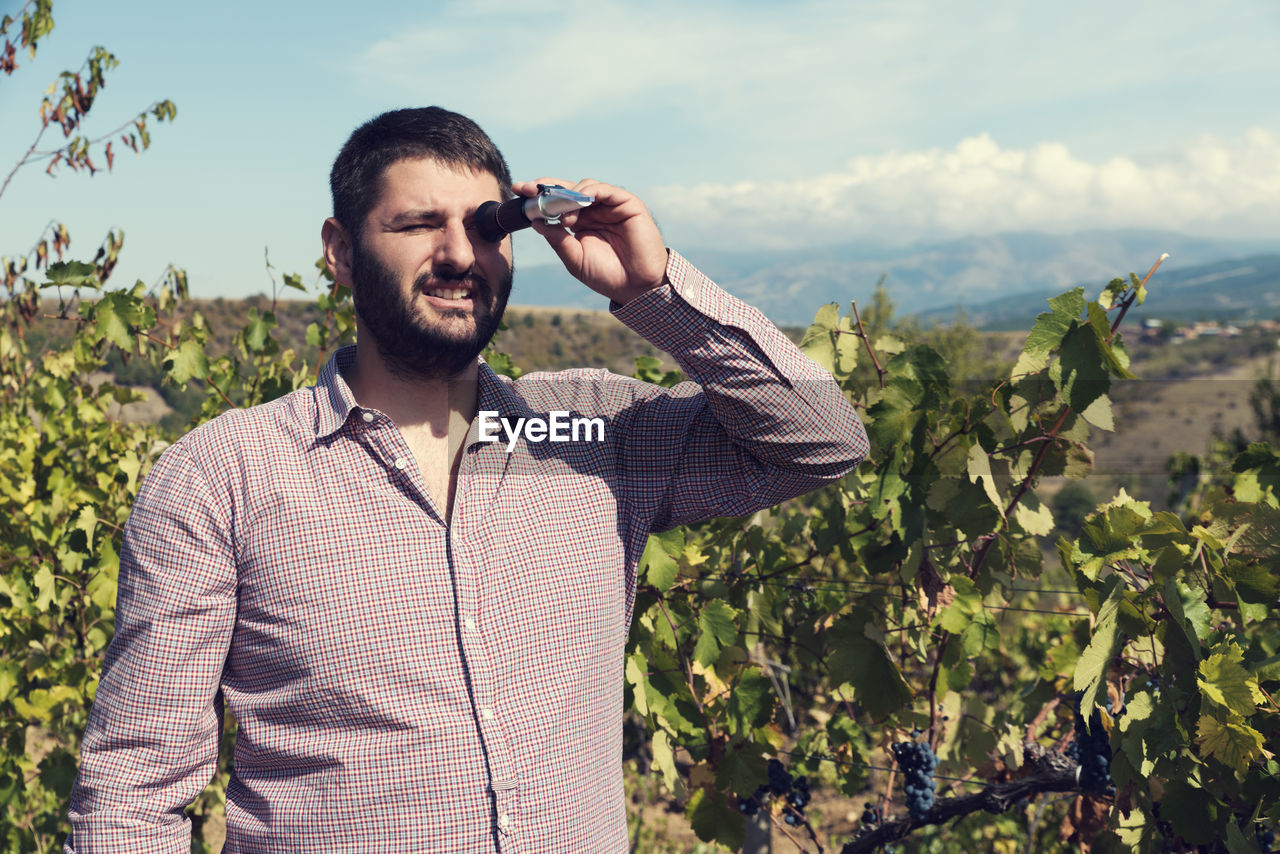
657, 564
112, 316
1093, 663
45, 585
980, 471
1196, 815
742, 769
1224, 680
1081, 376
293, 280
1047, 332
635, 670
751, 703
257, 332
818, 342
717, 628
1232, 742
963, 609
889, 344
1033, 517
713, 820
1253, 582
1099, 415
9, 672
664, 760
1190, 612
1236, 842
129, 466
865, 664
187, 362
69, 273
58, 772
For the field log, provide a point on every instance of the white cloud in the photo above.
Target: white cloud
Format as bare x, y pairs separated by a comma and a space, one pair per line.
813, 67
779, 94
1211, 187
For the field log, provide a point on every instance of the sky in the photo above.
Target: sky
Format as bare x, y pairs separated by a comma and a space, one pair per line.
741, 124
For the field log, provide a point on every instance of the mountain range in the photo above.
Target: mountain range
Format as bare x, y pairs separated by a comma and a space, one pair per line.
998, 281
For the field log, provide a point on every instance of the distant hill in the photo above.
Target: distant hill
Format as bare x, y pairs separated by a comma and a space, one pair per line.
935, 277
1232, 289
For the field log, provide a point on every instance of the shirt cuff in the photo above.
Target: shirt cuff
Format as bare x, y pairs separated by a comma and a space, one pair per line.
684, 308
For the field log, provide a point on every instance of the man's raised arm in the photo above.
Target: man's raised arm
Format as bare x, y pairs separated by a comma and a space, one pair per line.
764, 423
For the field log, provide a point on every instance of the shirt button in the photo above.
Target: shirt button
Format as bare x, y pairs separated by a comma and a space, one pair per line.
401, 463
470, 624
504, 821
367, 416
486, 713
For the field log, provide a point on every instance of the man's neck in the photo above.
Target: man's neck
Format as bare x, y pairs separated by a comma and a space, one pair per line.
438, 407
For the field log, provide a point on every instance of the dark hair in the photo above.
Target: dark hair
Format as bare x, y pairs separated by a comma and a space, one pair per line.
425, 132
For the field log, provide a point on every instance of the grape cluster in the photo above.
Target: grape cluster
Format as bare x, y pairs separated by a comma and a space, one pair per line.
870, 814
917, 761
783, 785
1092, 749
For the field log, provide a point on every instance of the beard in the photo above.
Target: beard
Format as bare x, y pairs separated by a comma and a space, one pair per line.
410, 344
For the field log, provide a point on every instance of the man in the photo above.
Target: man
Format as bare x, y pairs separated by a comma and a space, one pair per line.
420, 631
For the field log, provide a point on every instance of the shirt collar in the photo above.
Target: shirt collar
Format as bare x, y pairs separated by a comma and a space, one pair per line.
335, 402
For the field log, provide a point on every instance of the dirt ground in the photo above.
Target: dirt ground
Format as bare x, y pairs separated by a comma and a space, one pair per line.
1156, 418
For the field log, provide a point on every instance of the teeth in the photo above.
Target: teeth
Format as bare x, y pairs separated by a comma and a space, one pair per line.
448, 293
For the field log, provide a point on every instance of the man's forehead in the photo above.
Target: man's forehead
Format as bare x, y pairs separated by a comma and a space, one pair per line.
411, 179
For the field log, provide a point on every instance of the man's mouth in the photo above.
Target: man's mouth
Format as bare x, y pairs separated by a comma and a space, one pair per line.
448, 293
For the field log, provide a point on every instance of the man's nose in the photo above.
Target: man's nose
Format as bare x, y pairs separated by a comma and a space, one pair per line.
454, 250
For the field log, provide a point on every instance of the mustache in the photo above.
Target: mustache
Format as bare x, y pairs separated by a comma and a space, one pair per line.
468, 278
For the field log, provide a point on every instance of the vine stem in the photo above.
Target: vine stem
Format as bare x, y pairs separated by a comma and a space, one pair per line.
862, 333
981, 557
1133, 297
787, 833
1056, 773
684, 665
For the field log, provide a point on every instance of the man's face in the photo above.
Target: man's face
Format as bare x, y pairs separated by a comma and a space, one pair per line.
427, 288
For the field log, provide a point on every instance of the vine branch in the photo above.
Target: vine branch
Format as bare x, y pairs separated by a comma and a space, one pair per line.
1055, 773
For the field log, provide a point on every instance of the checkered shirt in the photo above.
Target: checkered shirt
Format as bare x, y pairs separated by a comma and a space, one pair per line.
403, 684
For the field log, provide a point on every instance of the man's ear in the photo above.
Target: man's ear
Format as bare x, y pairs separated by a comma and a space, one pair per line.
337, 250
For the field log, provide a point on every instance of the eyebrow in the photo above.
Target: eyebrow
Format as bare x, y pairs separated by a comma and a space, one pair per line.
405, 217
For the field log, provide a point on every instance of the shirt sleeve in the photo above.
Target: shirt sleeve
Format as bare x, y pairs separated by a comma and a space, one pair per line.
152, 740
758, 424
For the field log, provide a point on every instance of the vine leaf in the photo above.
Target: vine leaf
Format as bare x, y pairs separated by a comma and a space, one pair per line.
865, 665
717, 629
1093, 662
1081, 375
1232, 742
1223, 680
980, 470
187, 362
69, 273
1190, 612
1047, 333
659, 568
818, 342
714, 820
1195, 814
665, 760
